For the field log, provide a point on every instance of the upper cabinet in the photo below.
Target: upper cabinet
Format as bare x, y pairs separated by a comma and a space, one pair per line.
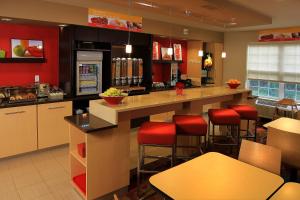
86, 34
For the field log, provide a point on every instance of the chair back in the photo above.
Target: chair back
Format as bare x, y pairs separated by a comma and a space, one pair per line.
116, 197
261, 156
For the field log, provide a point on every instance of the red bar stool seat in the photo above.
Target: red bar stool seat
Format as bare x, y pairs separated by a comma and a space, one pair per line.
224, 117
191, 125
156, 134
248, 113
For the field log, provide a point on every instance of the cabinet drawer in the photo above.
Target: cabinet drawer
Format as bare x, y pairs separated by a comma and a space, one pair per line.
18, 130
52, 128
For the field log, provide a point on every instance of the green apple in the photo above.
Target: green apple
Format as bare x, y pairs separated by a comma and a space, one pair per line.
19, 50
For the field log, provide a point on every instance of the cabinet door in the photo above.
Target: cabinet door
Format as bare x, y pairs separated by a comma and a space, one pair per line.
18, 130
53, 130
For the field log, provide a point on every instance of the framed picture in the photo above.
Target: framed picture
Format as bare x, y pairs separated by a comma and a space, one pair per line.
177, 52
164, 54
155, 53
27, 48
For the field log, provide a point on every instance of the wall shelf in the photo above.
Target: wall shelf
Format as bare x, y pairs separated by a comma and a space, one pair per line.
22, 60
167, 61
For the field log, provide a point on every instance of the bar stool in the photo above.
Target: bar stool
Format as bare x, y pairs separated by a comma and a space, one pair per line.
191, 125
248, 113
224, 117
157, 134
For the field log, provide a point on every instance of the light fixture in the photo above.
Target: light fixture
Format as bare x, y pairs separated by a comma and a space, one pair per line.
188, 12
232, 22
62, 25
170, 51
6, 19
223, 54
150, 5
128, 48
200, 53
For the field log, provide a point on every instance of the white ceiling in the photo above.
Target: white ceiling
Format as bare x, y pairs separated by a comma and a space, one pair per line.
284, 13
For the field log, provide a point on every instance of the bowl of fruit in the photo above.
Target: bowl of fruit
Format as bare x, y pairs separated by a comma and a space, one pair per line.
233, 83
113, 96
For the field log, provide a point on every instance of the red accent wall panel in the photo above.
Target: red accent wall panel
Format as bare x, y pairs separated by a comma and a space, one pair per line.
162, 72
23, 73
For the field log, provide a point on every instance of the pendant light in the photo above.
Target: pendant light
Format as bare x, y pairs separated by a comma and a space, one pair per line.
223, 54
128, 47
200, 53
170, 49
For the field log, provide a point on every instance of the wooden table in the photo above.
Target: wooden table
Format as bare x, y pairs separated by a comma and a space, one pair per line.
216, 176
284, 134
289, 191
118, 167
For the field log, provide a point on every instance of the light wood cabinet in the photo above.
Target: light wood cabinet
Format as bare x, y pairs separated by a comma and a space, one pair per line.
53, 130
18, 130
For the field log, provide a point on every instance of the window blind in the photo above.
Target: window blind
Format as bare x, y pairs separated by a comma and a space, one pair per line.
277, 62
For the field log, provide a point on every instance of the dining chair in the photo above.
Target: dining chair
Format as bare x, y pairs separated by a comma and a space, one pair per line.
261, 156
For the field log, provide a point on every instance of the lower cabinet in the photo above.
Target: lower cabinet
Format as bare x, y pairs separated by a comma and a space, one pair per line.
18, 130
53, 130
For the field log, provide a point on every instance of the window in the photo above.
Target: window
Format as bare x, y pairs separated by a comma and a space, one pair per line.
264, 88
277, 62
273, 70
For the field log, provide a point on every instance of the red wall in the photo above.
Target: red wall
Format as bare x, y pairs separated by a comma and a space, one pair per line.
23, 73
162, 72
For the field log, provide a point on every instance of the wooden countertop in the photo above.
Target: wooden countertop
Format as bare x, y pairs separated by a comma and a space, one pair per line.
216, 176
155, 99
285, 124
289, 191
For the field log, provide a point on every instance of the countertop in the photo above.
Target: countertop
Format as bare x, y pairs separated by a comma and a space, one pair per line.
35, 102
155, 99
158, 102
89, 123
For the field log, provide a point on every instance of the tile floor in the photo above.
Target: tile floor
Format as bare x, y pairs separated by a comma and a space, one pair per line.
40, 175
44, 175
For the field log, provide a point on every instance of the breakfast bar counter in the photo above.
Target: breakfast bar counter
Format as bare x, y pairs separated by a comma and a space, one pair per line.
108, 151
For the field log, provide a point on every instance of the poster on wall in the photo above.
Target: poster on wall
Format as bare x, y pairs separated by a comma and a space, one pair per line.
112, 20
288, 34
177, 52
155, 53
27, 48
164, 54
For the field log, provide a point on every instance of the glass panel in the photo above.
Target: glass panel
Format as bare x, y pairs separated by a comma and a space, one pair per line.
274, 93
298, 96
254, 83
263, 84
263, 92
291, 94
298, 87
274, 85
254, 91
289, 86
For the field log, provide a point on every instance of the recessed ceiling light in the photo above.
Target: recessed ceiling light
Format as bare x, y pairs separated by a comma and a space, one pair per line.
6, 19
233, 22
151, 5
188, 12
